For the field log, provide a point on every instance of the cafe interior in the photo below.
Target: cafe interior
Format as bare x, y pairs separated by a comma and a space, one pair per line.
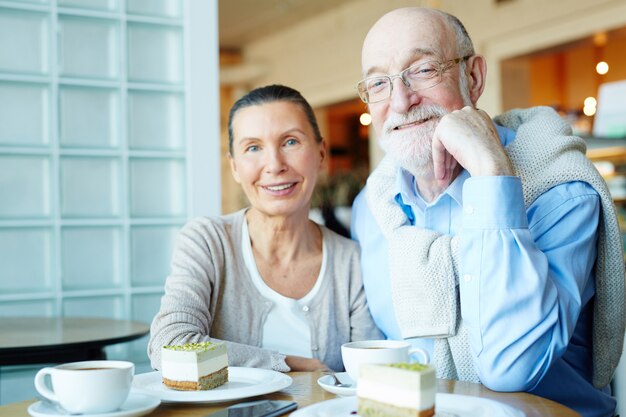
113, 118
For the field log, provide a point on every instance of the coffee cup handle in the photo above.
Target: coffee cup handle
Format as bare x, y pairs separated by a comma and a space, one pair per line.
42, 388
424, 355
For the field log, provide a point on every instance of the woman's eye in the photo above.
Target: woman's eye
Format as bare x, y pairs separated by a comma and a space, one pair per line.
291, 142
252, 148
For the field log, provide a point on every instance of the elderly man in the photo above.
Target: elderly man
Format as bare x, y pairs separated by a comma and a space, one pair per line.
496, 242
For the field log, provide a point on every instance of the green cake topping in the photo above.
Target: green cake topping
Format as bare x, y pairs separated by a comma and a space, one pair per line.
193, 347
415, 367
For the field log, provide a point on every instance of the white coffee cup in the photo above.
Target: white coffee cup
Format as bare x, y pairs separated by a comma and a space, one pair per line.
87, 387
354, 354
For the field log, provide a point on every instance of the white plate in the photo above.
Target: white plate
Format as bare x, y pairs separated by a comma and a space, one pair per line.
326, 382
136, 405
446, 405
242, 383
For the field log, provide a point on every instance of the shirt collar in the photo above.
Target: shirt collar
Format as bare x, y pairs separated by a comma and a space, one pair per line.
405, 182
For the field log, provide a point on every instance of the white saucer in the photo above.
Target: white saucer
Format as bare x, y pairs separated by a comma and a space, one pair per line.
136, 405
326, 382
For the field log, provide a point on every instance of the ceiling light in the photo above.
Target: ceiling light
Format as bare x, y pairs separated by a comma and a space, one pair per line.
600, 39
589, 111
365, 119
602, 67
590, 102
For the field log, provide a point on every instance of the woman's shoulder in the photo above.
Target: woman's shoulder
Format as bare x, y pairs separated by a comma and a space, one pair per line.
214, 226
336, 242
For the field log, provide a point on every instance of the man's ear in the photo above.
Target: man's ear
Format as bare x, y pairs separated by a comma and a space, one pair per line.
233, 167
476, 73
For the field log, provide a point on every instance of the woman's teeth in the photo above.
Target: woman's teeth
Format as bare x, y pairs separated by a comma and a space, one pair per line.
279, 187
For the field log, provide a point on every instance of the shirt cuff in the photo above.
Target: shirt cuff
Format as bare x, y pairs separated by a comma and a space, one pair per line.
494, 202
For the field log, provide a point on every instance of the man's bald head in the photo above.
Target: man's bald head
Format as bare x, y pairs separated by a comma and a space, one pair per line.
404, 22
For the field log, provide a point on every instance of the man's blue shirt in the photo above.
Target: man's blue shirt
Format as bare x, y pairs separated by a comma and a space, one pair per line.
525, 284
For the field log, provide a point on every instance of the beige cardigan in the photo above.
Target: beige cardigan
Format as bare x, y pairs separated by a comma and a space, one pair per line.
210, 295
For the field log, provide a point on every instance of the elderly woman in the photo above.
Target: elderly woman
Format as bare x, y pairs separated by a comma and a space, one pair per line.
281, 290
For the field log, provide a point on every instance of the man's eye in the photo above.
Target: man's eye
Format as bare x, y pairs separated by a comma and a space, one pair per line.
252, 148
423, 71
377, 84
291, 142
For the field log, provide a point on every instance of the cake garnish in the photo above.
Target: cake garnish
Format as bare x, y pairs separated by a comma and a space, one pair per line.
193, 347
415, 367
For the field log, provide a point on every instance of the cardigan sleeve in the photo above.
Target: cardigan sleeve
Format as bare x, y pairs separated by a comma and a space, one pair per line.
361, 323
185, 313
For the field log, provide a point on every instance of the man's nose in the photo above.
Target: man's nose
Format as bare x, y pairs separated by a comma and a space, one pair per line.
402, 97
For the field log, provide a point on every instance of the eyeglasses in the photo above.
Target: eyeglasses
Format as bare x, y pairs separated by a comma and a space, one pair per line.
416, 77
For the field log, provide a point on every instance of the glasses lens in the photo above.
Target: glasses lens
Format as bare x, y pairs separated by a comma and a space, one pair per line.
423, 76
374, 89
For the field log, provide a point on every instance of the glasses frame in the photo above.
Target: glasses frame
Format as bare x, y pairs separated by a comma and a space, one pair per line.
441, 67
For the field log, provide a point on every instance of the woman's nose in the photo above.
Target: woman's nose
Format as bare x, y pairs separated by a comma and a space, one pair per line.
275, 161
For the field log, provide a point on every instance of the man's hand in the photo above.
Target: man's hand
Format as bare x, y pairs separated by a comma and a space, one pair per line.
468, 137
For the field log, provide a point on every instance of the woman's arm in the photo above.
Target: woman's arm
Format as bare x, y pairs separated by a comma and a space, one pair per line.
298, 363
185, 314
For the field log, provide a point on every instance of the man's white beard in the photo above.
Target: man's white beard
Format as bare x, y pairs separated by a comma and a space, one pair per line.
412, 148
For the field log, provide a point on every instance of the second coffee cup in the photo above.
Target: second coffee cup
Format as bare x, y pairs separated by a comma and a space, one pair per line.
354, 354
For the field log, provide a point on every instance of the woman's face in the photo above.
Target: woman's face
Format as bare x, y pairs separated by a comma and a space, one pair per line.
275, 157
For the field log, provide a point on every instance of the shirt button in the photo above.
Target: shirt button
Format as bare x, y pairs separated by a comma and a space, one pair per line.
315, 348
469, 209
305, 308
467, 277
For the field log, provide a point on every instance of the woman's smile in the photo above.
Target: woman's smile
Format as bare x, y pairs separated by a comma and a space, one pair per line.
281, 189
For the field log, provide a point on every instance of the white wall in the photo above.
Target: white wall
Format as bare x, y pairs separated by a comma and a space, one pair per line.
321, 56
204, 108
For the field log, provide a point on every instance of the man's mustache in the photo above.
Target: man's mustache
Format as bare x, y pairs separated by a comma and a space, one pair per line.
416, 114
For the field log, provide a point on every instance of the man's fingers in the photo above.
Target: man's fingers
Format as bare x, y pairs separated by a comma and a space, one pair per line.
440, 159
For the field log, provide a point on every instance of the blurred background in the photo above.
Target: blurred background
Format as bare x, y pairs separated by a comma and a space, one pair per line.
538, 54
113, 124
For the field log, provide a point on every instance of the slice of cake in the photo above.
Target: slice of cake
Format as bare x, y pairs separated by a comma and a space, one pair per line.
194, 366
396, 390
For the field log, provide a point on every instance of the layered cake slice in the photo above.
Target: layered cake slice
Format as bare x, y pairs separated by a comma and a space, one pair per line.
396, 390
194, 366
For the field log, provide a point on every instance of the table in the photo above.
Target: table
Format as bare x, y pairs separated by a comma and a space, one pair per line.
30, 340
305, 391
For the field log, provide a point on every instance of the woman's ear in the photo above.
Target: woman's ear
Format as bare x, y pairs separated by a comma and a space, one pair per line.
233, 167
476, 72
323, 151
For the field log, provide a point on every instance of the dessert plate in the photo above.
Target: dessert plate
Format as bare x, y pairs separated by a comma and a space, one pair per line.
136, 405
242, 383
327, 383
446, 405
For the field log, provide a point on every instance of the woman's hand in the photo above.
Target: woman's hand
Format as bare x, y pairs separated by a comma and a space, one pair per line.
300, 364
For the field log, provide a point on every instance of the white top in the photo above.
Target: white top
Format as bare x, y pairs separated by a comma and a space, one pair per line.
287, 328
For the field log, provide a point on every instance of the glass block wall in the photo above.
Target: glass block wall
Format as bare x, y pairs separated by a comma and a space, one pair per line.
97, 163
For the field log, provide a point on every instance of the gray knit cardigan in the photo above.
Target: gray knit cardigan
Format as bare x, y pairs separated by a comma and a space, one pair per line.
209, 295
